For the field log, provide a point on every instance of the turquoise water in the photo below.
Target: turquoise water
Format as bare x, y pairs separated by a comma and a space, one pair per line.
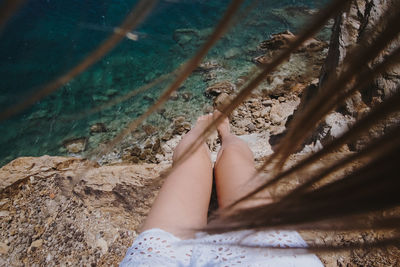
46, 38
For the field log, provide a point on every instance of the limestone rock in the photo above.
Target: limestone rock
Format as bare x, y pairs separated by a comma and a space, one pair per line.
95, 224
280, 112
222, 101
167, 136
180, 126
277, 41
356, 25
221, 87
149, 129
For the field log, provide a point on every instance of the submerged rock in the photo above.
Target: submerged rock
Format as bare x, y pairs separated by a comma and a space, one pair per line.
207, 66
185, 36
100, 98
111, 92
174, 96
186, 96
231, 53
98, 128
76, 145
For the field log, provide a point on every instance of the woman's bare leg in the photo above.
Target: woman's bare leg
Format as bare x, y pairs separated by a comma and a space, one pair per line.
182, 203
234, 167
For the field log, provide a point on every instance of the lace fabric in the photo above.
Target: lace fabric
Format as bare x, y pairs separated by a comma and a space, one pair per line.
157, 247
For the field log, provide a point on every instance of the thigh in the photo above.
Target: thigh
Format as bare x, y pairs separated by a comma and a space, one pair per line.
234, 173
182, 203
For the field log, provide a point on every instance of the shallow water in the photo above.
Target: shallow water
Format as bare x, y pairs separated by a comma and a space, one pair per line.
46, 38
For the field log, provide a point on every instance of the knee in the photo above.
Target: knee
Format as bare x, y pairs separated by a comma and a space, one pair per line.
238, 148
183, 147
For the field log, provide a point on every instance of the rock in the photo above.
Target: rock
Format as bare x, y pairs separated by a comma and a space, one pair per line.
231, 53
149, 129
357, 25
145, 154
260, 121
186, 96
222, 101
258, 143
156, 146
167, 136
4, 213
40, 114
208, 109
267, 102
185, 36
162, 111
263, 59
102, 244
277, 41
251, 127
148, 144
312, 45
180, 126
221, 87
209, 76
98, 128
265, 112
207, 66
111, 203
298, 88
135, 151
148, 97
111, 92
174, 96
337, 123
242, 123
179, 119
99, 98
75, 145
3, 248
280, 112
150, 76
37, 243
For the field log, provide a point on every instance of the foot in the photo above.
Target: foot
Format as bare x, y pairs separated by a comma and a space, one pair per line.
193, 137
223, 128
202, 123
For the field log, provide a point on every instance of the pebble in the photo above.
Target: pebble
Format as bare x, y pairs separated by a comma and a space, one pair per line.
3, 248
37, 243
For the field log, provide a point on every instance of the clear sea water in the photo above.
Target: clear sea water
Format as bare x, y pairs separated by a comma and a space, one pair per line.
45, 38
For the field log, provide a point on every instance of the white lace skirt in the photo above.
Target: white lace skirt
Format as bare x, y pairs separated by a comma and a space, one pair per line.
156, 247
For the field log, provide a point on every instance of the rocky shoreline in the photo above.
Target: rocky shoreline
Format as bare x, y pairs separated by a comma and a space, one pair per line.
49, 219
263, 114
